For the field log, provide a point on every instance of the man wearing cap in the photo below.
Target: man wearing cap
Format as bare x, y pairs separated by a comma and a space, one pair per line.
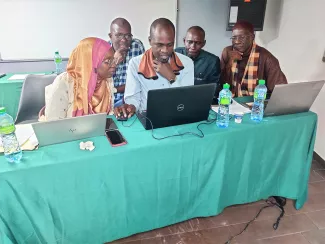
244, 63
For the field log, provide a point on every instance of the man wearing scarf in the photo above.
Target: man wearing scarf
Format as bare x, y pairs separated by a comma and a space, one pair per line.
158, 68
244, 63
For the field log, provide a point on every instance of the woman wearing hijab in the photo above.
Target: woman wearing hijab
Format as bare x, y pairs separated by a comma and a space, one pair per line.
86, 87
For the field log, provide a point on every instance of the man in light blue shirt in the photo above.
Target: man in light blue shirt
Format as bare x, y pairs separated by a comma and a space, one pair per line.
159, 67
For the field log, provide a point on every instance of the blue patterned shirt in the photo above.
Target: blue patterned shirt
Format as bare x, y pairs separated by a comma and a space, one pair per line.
119, 77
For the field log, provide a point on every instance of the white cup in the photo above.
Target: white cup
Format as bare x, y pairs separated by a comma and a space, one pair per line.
238, 117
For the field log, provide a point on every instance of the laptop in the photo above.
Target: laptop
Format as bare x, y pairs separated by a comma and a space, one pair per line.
293, 98
177, 106
70, 129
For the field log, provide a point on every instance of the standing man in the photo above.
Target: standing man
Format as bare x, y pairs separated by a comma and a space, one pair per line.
126, 47
206, 65
159, 67
244, 63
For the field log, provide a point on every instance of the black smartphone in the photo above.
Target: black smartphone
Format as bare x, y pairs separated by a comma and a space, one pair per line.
113, 135
110, 124
115, 138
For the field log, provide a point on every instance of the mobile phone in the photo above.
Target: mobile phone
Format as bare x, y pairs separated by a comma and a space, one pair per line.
115, 138
110, 124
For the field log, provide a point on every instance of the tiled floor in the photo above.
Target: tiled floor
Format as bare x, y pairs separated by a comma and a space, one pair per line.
306, 226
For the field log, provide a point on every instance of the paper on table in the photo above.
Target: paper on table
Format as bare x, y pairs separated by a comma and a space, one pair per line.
26, 136
235, 107
233, 14
20, 76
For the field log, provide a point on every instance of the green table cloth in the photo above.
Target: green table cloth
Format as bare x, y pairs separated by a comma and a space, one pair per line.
60, 194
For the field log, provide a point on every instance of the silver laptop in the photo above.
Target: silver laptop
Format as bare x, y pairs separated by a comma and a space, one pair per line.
293, 98
71, 129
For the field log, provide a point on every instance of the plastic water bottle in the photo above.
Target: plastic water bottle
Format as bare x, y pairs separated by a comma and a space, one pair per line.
259, 98
223, 110
11, 147
58, 62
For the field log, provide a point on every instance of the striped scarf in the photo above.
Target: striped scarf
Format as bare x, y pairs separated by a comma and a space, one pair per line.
249, 81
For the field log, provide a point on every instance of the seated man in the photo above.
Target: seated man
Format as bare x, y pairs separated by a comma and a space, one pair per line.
206, 65
126, 47
158, 68
244, 63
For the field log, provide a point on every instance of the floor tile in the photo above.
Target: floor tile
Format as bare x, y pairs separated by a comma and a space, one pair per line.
185, 238
237, 215
157, 240
205, 223
316, 175
315, 202
215, 236
315, 236
321, 173
264, 229
175, 229
316, 187
318, 218
290, 208
317, 165
288, 239
210, 236
169, 230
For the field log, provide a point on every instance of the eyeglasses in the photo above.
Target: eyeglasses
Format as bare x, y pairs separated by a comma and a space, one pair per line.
111, 62
120, 36
239, 38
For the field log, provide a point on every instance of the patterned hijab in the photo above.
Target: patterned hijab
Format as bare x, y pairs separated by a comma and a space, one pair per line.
89, 96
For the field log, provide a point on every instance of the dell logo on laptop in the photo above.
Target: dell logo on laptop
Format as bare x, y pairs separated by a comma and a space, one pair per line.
180, 107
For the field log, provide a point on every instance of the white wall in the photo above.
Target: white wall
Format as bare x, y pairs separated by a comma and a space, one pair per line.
34, 29
299, 44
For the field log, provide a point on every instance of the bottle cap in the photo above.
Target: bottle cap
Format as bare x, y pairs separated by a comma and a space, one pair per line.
261, 82
226, 86
2, 110
56, 52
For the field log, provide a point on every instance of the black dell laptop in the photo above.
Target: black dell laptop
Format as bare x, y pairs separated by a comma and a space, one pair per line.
177, 106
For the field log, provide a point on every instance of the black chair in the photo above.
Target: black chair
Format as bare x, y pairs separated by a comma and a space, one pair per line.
32, 98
